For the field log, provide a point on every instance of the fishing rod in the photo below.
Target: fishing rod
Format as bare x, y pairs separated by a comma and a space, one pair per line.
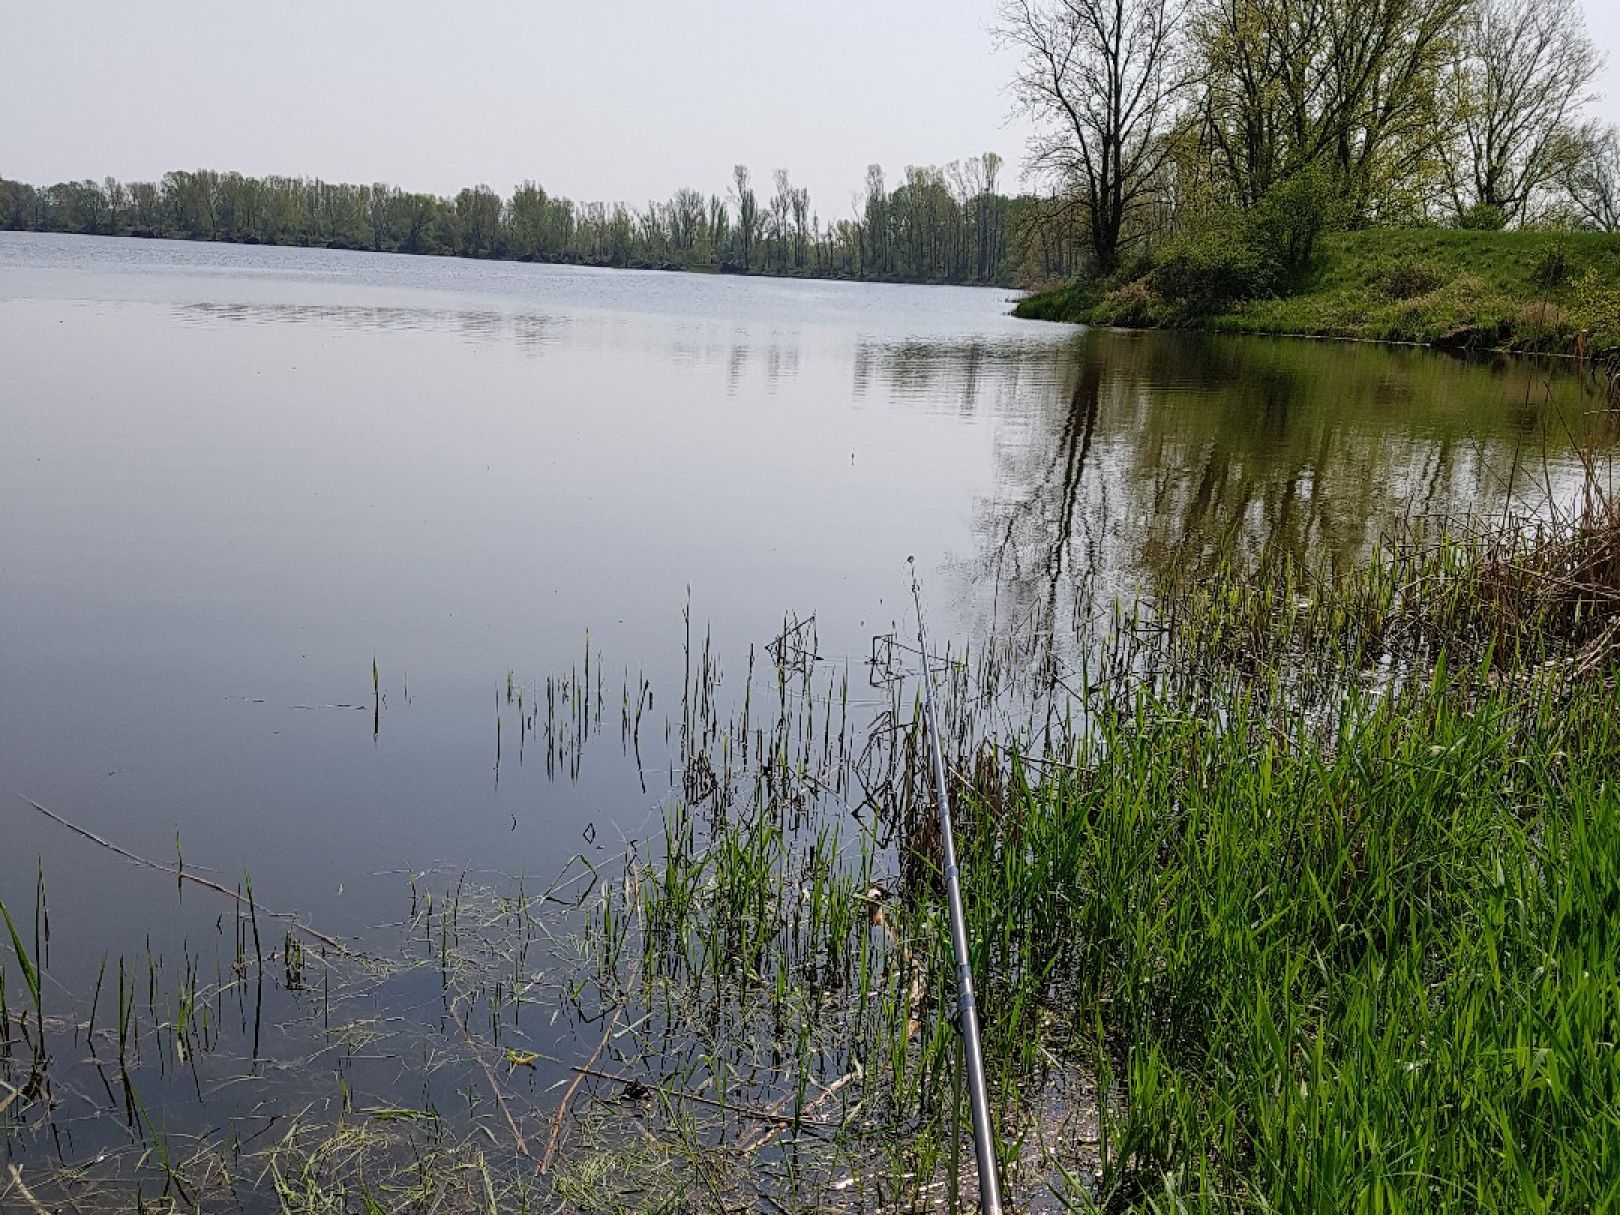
967, 1012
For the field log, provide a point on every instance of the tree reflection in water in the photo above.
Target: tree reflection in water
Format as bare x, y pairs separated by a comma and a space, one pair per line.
1124, 458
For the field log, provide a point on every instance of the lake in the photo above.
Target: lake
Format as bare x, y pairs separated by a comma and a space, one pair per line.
284, 534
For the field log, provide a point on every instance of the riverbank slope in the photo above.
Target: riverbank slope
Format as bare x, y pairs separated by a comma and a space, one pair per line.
1532, 291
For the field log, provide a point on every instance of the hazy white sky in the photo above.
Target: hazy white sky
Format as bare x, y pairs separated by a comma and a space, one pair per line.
605, 100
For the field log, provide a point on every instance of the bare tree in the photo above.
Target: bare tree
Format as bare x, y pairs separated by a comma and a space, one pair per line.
799, 204
780, 204
989, 216
1592, 177
1523, 73
1100, 79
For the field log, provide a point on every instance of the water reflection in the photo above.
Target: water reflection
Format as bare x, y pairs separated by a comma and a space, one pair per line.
954, 374
527, 331
1153, 451
1121, 456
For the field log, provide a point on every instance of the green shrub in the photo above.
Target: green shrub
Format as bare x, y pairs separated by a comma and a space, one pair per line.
1130, 306
1138, 267
1295, 213
1406, 280
1595, 309
1483, 217
1072, 303
1553, 268
1219, 266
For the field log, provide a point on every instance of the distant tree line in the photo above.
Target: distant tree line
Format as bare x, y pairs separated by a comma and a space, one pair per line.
945, 225
1256, 125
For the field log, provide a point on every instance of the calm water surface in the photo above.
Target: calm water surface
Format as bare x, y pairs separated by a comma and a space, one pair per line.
233, 478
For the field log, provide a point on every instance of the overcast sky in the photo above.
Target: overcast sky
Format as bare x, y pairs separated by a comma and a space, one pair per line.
604, 99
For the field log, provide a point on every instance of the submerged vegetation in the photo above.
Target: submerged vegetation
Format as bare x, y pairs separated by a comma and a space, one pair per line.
1289, 890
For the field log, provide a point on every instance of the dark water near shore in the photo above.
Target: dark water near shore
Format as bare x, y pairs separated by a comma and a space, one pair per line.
233, 479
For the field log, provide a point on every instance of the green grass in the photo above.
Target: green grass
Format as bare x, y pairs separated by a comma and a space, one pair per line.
1073, 303
1480, 290
1358, 958
1376, 972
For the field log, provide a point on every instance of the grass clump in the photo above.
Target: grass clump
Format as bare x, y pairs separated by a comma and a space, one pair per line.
1329, 899
1376, 969
1073, 302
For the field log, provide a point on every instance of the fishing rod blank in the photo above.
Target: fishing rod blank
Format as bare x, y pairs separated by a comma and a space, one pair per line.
967, 1012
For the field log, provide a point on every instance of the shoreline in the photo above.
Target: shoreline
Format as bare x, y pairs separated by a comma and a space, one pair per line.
572, 263
1522, 293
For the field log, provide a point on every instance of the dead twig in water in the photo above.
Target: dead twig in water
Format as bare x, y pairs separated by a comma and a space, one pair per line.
573, 1087
494, 1084
753, 1145
181, 875
16, 1180
742, 1111
500, 1100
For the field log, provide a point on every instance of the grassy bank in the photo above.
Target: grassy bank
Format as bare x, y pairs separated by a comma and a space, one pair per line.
1474, 290
1295, 891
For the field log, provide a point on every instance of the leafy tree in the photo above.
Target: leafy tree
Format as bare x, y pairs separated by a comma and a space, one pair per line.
923, 230
879, 261
748, 216
478, 216
1349, 83
1295, 212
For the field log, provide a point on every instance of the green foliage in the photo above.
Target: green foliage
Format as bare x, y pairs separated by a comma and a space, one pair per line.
1595, 308
1404, 280
1522, 290
1220, 264
1552, 267
1075, 303
1294, 214
1482, 217
1132, 306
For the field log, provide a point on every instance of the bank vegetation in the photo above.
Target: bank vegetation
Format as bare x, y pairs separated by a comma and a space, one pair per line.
1294, 165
